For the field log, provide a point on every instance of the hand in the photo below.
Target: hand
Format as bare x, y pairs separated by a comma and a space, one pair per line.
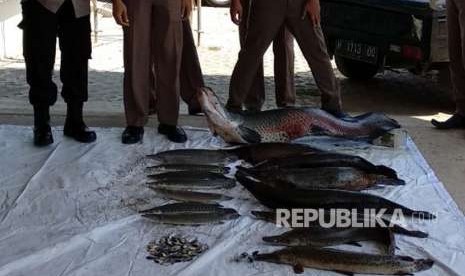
313, 10
120, 13
236, 11
186, 8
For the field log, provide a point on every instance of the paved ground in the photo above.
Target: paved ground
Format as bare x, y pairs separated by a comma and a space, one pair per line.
411, 99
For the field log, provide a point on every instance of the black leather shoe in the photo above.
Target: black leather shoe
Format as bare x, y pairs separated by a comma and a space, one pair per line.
132, 135
43, 136
454, 122
79, 132
174, 133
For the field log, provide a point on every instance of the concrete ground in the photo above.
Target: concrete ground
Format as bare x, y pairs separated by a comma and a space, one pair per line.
410, 99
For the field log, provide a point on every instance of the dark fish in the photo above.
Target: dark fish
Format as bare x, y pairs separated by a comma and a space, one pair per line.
270, 217
274, 198
284, 125
343, 178
253, 154
325, 159
344, 262
324, 237
190, 168
190, 196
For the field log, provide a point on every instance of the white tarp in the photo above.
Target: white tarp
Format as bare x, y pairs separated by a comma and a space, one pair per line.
70, 209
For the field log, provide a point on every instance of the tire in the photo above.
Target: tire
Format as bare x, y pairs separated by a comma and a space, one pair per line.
354, 69
217, 3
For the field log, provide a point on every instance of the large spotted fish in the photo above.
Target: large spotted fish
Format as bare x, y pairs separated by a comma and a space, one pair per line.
284, 125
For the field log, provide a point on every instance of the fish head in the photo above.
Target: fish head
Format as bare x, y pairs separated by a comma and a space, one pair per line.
219, 120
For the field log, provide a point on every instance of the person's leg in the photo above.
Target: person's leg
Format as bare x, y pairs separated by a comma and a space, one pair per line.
312, 43
191, 71
283, 48
76, 47
39, 46
256, 96
167, 53
456, 32
138, 79
266, 17
457, 45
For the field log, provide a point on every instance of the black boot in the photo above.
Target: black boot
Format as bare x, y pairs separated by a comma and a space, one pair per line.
174, 133
42, 131
132, 135
75, 126
454, 122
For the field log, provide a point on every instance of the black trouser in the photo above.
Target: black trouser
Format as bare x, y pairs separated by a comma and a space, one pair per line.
40, 31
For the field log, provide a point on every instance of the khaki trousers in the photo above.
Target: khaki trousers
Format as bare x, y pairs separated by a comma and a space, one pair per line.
191, 71
283, 49
456, 27
266, 19
154, 40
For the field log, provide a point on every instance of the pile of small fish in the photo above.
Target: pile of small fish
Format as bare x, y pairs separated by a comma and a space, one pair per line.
174, 249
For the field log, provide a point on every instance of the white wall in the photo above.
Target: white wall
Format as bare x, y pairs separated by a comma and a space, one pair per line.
10, 34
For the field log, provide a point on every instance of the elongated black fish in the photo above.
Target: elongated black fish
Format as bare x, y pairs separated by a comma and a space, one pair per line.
324, 237
325, 159
284, 125
271, 217
273, 197
343, 178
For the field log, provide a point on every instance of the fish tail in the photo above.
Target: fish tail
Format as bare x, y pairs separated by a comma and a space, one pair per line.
386, 171
378, 120
423, 264
244, 179
245, 171
410, 233
390, 182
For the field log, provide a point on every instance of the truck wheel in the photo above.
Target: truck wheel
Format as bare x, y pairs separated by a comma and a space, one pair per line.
354, 69
217, 3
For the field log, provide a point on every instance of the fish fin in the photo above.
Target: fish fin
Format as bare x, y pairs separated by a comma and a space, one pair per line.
298, 269
391, 250
344, 272
317, 130
390, 182
384, 170
354, 244
406, 258
245, 170
249, 135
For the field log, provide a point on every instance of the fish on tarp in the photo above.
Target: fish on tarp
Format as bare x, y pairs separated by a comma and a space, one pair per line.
190, 196
193, 219
193, 184
253, 153
184, 208
345, 262
189, 167
284, 125
325, 159
324, 237
271, 217
274, 197
343, 178
187, 175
